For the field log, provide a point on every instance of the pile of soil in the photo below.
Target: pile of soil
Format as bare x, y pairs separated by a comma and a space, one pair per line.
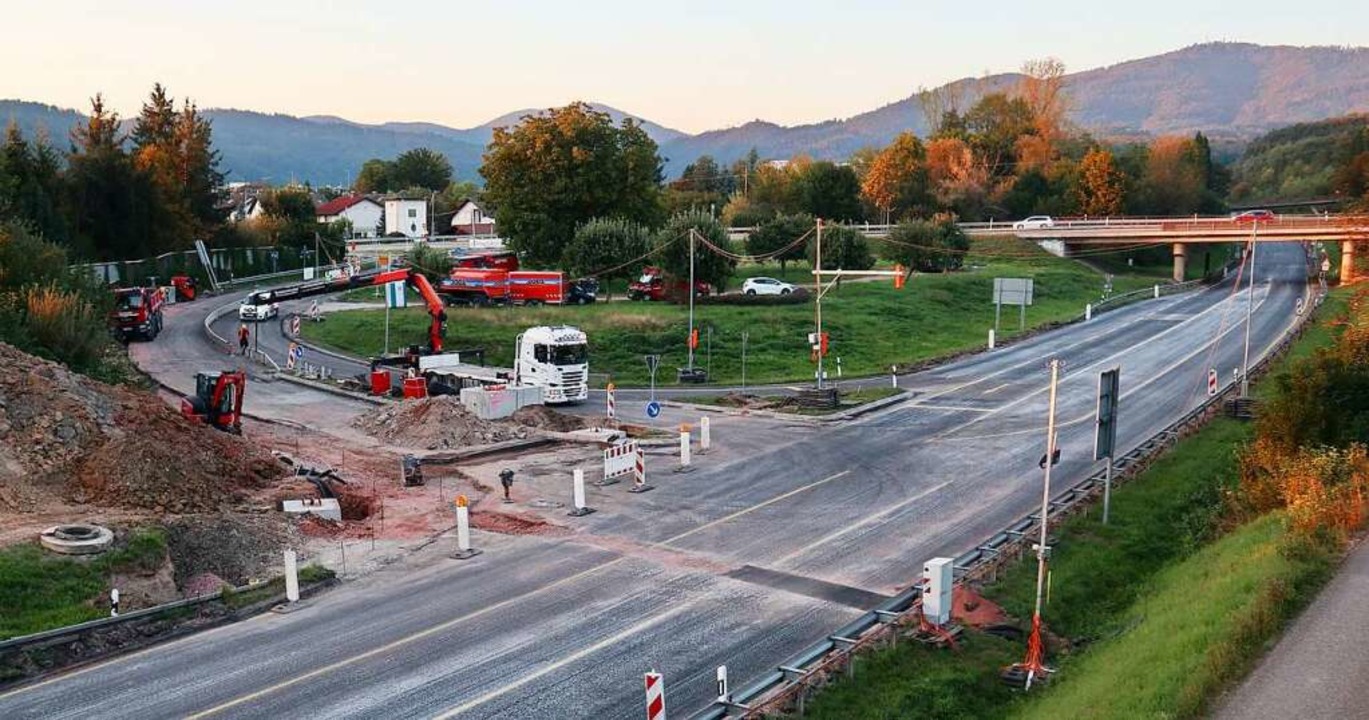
544, 418
752, 402
65, 434
436, 423
235, 549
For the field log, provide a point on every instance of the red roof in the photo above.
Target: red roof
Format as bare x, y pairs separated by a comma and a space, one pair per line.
337, 205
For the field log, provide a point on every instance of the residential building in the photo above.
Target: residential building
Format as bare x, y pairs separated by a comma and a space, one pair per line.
407, 217
362, 212
470, 219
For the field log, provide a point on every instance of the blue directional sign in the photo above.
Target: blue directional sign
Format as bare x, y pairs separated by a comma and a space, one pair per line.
653, 409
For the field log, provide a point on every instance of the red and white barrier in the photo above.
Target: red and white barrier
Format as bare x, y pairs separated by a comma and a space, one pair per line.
611, 410
620, 460
655, 696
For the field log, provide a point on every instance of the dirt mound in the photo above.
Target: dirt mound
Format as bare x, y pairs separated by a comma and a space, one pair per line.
543, 417
751, 402
437, 423
233, 548
61, 432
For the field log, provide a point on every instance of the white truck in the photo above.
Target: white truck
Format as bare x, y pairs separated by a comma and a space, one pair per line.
552, 358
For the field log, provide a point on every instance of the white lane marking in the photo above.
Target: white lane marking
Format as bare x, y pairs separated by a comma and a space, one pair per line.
868, 520
993, 390
573, 657
952, 408
1100, 363
753, 508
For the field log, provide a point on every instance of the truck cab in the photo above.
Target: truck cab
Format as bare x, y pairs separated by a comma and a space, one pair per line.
655, 285
137, 312
555, 358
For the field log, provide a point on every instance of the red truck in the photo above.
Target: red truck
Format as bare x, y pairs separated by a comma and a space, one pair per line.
468, 286
137, 311
655, 285
486, 260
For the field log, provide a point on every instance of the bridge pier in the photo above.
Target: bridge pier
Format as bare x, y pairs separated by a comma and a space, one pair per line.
1347, 261
1180, 262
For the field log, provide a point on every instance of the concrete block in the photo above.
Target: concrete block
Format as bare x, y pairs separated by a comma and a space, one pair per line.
327, 508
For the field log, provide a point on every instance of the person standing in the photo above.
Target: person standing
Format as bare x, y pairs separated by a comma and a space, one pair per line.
243, 335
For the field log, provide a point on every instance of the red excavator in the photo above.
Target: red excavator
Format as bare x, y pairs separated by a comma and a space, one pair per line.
217, 400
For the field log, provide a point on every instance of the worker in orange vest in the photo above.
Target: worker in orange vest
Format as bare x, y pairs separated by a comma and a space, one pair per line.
243, 335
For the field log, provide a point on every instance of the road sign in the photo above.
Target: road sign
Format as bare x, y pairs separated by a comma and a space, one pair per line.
1013, 291
1109, 392
1212, 382
655, 697
394, 294
652, 362
653, 409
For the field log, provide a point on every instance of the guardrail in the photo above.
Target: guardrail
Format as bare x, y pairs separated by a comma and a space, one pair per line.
792, 680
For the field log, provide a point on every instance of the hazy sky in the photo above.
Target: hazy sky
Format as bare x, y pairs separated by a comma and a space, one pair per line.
697, 65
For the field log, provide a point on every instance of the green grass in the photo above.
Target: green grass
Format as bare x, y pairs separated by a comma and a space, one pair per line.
1199, 625
40, 590
871, 325
1157, 263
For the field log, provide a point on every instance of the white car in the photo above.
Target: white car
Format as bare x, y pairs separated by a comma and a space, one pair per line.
258, 306
766, 286
1035, 222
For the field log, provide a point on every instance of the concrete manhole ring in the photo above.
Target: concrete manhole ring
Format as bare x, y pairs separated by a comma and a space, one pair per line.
76, 539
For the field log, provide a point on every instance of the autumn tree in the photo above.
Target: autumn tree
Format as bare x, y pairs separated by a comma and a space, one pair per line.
1171, 183
1042, 90
554, 171
710, 246
897, 180
605, 248
957, 178
994, 126
779, 236
1101, 185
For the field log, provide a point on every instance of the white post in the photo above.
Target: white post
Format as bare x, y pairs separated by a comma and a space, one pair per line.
114, 602
291, 577
684, 446
705, 439
723, 694
1088, 312
578, 493
463, 529
1157, 290
991, 339
893, 375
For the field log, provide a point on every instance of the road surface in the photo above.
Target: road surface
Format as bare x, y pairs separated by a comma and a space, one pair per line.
742, 562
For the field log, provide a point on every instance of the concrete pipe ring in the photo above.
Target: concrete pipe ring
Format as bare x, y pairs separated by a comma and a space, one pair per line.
77, 539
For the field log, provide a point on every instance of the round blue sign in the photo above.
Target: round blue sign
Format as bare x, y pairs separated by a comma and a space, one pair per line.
653, 409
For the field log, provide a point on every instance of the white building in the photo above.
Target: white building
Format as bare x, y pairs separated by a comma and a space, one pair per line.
470, 219
409, 217
362, 212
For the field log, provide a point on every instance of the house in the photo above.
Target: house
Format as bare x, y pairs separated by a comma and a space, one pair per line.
470, 219
406, 217
362, 212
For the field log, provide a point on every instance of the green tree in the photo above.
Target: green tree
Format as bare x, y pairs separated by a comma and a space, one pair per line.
927, 246
420, 167
780, 233
555, 171
175, 150
994, 125
374, 177
290, 217
605, 248
829, 191
31, 185
843, 248
115, 213
712, 263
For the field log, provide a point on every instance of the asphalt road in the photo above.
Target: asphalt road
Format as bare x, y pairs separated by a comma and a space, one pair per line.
564, 627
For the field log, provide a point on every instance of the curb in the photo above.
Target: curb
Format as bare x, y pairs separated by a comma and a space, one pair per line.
325, 387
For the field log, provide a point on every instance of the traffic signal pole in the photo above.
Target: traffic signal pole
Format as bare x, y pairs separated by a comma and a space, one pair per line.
817, 304
819, 345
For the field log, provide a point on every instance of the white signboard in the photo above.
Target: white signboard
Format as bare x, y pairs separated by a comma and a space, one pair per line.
1012, 291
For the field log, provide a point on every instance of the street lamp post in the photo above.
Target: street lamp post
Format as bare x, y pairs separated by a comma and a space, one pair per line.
1249, 310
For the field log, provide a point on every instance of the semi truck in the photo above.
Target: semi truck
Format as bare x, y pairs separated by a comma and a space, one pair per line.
137, 313
553, 358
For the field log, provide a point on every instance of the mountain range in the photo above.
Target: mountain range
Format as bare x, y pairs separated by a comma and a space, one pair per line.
1233, 91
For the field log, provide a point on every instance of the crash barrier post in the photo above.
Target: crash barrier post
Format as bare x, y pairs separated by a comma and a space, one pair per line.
705, 436
578, 495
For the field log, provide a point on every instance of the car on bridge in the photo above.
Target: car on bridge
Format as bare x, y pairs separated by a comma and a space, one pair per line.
1253, 216
766, 286
1035, 222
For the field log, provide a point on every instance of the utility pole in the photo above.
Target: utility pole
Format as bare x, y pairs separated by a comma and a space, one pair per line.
315, 254
817, 303
1035, 663
690, 341
1249, 310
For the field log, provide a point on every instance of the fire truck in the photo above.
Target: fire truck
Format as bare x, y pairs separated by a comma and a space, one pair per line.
469, 286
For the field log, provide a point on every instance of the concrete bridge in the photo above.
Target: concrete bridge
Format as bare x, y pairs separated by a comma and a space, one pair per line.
1182, 232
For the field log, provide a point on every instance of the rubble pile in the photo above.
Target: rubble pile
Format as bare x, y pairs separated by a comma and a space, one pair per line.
63, 433
544, 418
436, 423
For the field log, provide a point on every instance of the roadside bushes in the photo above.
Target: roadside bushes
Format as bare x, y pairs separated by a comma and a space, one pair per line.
936, 245
47, 310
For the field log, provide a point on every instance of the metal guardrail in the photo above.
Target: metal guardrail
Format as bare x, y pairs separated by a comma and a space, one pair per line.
796, 676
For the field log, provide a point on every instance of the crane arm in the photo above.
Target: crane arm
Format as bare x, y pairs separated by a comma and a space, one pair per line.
436, 309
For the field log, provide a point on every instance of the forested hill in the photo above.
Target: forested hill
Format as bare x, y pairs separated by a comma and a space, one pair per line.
1300, 161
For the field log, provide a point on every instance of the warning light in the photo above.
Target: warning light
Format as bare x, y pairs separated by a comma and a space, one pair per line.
822, 341
900, 277
694, 339
461, 501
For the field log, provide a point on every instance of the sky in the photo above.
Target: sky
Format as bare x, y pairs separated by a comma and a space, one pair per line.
691, 66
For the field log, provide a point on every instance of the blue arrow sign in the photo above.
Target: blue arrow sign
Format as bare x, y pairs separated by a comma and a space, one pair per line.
653, 409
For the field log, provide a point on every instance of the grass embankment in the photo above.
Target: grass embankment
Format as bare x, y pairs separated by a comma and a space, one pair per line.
871, 325
40, 590
1162, 608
